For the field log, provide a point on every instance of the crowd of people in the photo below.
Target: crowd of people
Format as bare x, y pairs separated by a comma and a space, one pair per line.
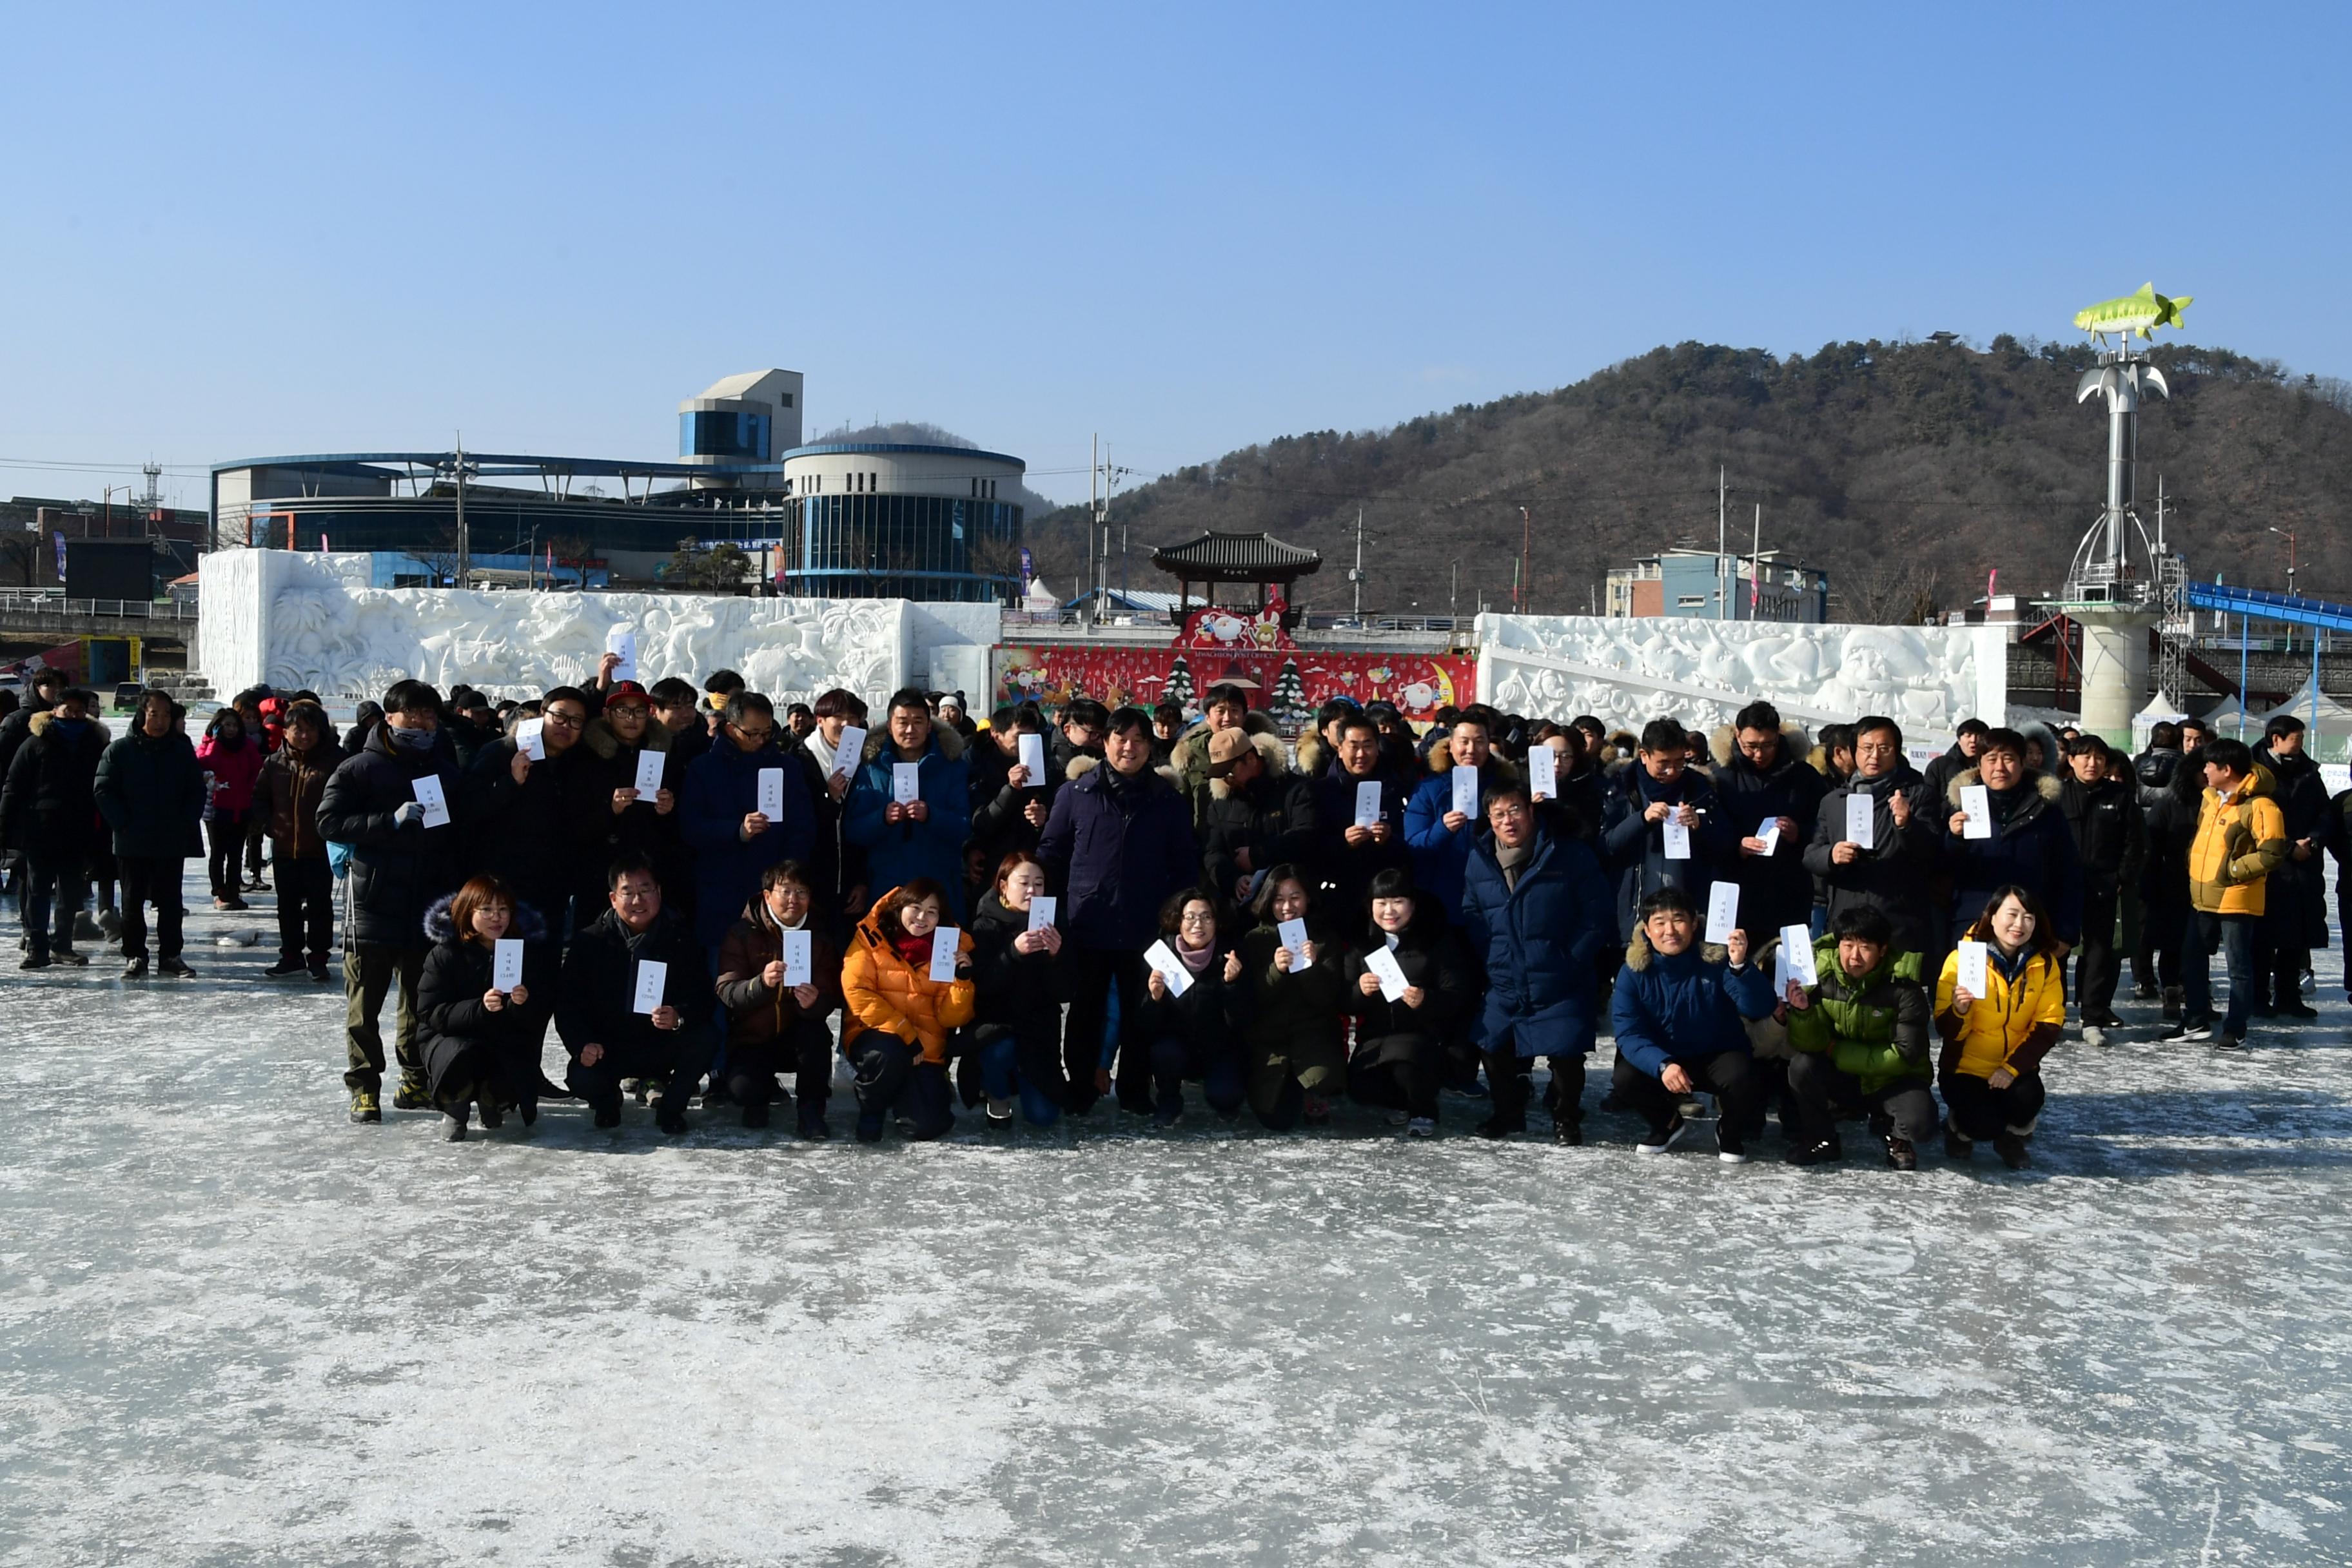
704, 897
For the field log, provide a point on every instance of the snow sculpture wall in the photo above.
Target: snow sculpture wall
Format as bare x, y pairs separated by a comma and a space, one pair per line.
1627, 671
310, 621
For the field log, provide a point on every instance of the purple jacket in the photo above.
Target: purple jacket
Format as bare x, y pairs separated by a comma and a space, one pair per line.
1118, 848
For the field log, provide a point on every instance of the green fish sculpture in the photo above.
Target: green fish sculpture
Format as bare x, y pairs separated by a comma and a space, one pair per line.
2139, 313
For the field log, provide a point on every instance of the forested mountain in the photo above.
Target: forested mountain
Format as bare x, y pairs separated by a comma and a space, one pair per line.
1908, 469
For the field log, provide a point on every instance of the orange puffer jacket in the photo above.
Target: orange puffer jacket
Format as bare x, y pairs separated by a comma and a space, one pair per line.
885, 992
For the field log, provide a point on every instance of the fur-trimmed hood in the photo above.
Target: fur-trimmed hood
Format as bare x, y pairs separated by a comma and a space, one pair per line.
439, 927
945, 737
39, 724
1192, 747
1638, 951
1818, 759
606, 742
1086, 763
2046, 785
1441, 760
1270, 751
1723, 742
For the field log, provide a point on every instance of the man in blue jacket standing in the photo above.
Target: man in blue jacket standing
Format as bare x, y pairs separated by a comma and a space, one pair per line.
918, 837
1536, 909
1678, 1009
720, 817
1438, 835
1118, 845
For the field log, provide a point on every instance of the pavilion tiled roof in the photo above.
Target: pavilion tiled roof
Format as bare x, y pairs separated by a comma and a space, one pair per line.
1235, 555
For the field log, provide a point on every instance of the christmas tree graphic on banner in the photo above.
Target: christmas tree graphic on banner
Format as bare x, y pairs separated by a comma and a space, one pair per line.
1179, 689
1288, 699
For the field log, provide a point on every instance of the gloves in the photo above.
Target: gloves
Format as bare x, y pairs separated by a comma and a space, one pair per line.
409, 812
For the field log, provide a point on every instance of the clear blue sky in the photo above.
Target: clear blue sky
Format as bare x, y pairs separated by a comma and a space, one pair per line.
245, 231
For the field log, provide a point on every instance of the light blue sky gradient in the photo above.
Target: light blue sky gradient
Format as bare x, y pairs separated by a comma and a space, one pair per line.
275, 229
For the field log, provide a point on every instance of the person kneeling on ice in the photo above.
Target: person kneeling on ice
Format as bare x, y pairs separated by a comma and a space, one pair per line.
900, 1018
596, 1010
774, 1022
480, 1044
1677, 1010
1861, 1039
1191, 1036
1990, 1069
1400, 1058
1020, 985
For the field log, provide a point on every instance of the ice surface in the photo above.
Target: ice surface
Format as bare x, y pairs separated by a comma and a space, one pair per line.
236, 1328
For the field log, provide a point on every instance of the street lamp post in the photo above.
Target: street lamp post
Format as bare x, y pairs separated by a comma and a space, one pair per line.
2288, 534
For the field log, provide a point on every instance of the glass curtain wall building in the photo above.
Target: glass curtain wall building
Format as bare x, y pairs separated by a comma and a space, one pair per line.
905, 547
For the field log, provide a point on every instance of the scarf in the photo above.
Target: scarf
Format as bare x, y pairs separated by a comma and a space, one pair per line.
1196, 961
1512, 858
915, 951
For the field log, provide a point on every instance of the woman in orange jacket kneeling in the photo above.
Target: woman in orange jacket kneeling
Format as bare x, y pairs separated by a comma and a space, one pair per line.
900, 1020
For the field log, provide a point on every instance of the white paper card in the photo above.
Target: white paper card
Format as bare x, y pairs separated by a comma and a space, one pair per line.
1032, 757
1677, 838
906, 782
622, 641
1977, 801
852, 747
428, 796
1388, 970
1168, 967
531, 740
652, 979
1293, 937
799, 959
1543, 772
943, 953
1862, 820
1779, 975
1465, 791
649, 776
771, 794
1973, 975
505, 963
1368, 804
1797, 946
1770, 833
1041, 911
1722, 911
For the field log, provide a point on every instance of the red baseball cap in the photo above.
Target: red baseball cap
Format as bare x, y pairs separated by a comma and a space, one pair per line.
627, 691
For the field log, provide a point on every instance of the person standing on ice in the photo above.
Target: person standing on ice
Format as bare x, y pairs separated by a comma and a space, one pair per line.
906, 840
596, 1002
523, 817
734, 842
151, 790
399, 868
47, 811
1678, 1009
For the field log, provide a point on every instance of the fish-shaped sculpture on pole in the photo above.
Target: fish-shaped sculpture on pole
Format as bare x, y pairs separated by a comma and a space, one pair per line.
2133, 314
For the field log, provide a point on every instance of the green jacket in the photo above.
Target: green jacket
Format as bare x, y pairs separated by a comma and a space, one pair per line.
1875, 1027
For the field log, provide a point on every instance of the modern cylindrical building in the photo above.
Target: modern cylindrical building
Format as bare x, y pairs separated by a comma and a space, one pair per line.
897, 522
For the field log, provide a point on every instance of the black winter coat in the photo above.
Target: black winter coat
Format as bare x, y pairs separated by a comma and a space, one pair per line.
396, 872
1204, 1016
47, 806
1775, 889
1348, 869
2110, 834
1430, 952
595, 1001
531, 835
2298, 888
151, 789
1633, 851
2031, 846
1892, 877
449, 1012
601, 836
1273, 816
1012, 991
1118, 847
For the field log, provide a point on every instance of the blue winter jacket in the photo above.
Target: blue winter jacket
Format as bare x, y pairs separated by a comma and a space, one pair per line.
1118, 848
898, 852
723, 788
1634, 850
1541, 939
1684, 1008
1439, 857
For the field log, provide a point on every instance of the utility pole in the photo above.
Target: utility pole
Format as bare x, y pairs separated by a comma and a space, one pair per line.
465, 540
1756, 567
1093, 609
1357, 576
1722, 498
1526, 591
1453, 597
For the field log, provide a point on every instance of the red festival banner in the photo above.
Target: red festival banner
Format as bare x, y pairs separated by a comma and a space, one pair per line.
1288, 683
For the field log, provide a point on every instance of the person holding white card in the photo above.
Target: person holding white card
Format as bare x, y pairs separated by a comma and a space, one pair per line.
1895, 873
828, 757
1360, 808
597, 1011
900, 1026
1290, 1019
733, 841
1678, 1009
1436, 831
529, 822
1860, 1036
1405, 986
631, 801
905, 839
2030, 845
480, 1030
779, 978
1016, 965
1189, 1023
1537, 917
1990, 1066
1772, 799
399, 867
1011, 786
1660, 789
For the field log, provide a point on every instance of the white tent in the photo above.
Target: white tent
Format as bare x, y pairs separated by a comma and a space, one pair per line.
2160, 710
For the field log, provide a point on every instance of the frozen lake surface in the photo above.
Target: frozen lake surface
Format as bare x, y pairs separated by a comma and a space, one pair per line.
234, 1328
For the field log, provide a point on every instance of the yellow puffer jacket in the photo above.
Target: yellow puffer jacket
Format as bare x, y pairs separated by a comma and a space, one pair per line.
885, 992
2014, 1027
2238, 845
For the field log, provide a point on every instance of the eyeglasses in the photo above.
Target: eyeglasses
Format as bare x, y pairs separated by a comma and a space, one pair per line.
1200, 920
563, 720
755, 734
